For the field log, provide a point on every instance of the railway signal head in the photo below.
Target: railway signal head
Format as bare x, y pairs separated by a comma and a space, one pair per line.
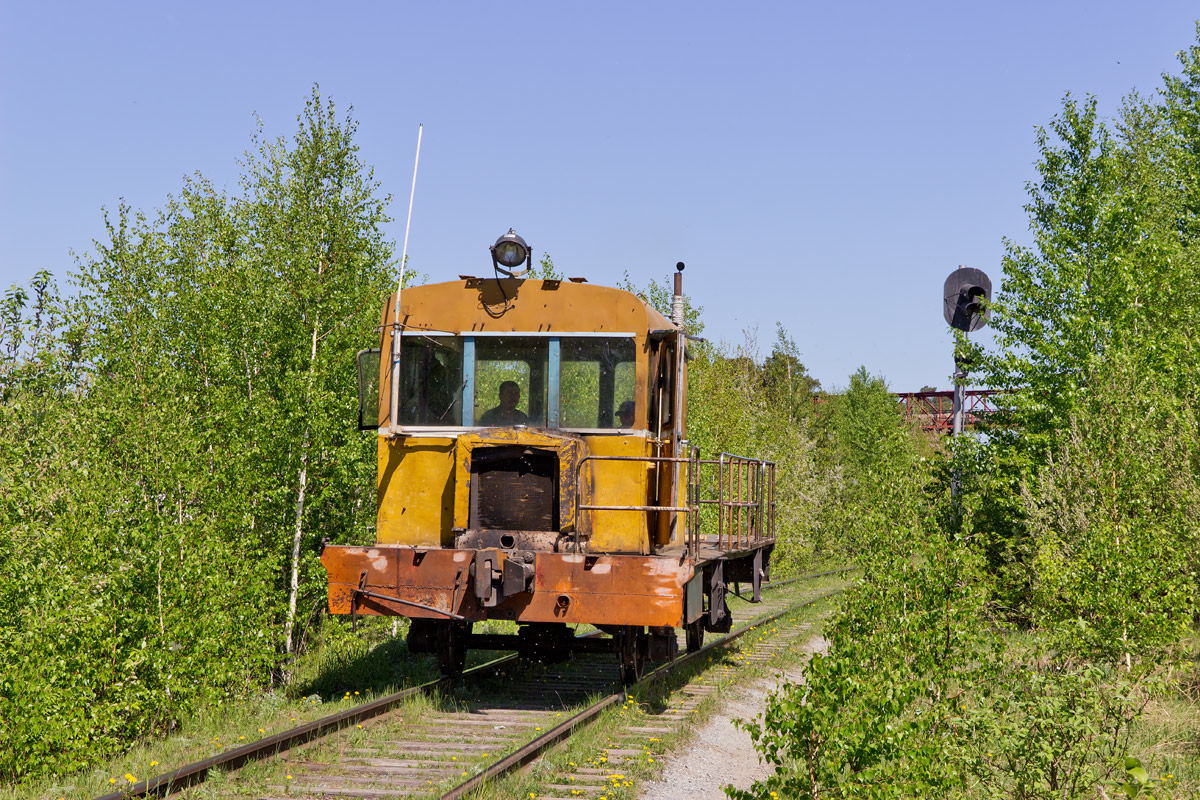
965, 299
508, 252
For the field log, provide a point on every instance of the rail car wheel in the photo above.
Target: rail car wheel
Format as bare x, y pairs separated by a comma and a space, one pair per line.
452, 647
695, 634
630, 642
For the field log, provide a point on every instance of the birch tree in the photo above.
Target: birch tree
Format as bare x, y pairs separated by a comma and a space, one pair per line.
314, 216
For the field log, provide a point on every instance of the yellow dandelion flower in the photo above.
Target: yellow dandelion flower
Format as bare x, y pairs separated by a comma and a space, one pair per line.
260, 730
289, 777
112, 780
129, 777
154, 763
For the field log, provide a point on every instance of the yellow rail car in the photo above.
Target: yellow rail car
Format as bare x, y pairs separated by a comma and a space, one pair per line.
534, 467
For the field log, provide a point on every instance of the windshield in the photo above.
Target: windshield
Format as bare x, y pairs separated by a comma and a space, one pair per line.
580, 382
510, 381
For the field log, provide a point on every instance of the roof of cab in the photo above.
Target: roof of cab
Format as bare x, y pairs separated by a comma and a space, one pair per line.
514, 304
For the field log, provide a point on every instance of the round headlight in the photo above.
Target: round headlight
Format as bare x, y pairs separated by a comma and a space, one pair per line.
510, 250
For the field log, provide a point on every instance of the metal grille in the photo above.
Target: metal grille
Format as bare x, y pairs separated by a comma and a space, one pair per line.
514, 488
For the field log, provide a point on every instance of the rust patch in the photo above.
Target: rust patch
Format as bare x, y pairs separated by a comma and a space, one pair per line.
599, 589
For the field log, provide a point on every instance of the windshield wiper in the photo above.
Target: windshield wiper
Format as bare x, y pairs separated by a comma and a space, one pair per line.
457, 395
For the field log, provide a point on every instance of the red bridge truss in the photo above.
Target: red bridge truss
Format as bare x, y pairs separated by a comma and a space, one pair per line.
933, 411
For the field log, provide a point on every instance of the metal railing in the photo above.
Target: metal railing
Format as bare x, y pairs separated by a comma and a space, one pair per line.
743, 493
745, 500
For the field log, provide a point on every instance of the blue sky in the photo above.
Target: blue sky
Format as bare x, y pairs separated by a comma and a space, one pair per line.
821, 165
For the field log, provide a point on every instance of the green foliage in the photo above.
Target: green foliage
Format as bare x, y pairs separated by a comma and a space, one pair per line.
175, 440
879, 467
921, 694
545, 270
1087, 480
1108, 271
785, 379
1075, 519
1115, 553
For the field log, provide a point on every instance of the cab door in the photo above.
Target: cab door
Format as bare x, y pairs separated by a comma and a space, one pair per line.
668, 411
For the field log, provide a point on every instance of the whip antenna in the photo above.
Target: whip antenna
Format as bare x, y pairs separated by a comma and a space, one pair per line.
394, 414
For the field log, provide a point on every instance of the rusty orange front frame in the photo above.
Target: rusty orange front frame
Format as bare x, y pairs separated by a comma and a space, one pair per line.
577, 589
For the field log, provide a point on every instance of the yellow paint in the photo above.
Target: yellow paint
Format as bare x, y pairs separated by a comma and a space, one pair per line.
424, 481
416, 491
619, 483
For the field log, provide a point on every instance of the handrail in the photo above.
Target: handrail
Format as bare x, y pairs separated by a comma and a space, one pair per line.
644, 459
745, 500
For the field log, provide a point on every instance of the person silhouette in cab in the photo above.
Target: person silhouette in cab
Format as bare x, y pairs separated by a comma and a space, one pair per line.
625, 414
507, 412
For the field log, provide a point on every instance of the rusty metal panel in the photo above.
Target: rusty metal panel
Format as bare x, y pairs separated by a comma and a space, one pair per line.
435, 578
488, 305
577, 589
606, 590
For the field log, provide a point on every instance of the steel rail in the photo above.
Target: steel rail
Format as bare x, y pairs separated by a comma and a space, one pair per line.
539, 745
197, 772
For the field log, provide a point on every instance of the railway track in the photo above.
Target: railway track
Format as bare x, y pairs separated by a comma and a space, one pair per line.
447, 739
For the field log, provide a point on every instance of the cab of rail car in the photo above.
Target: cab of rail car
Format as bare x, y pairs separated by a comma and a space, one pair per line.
515, 406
